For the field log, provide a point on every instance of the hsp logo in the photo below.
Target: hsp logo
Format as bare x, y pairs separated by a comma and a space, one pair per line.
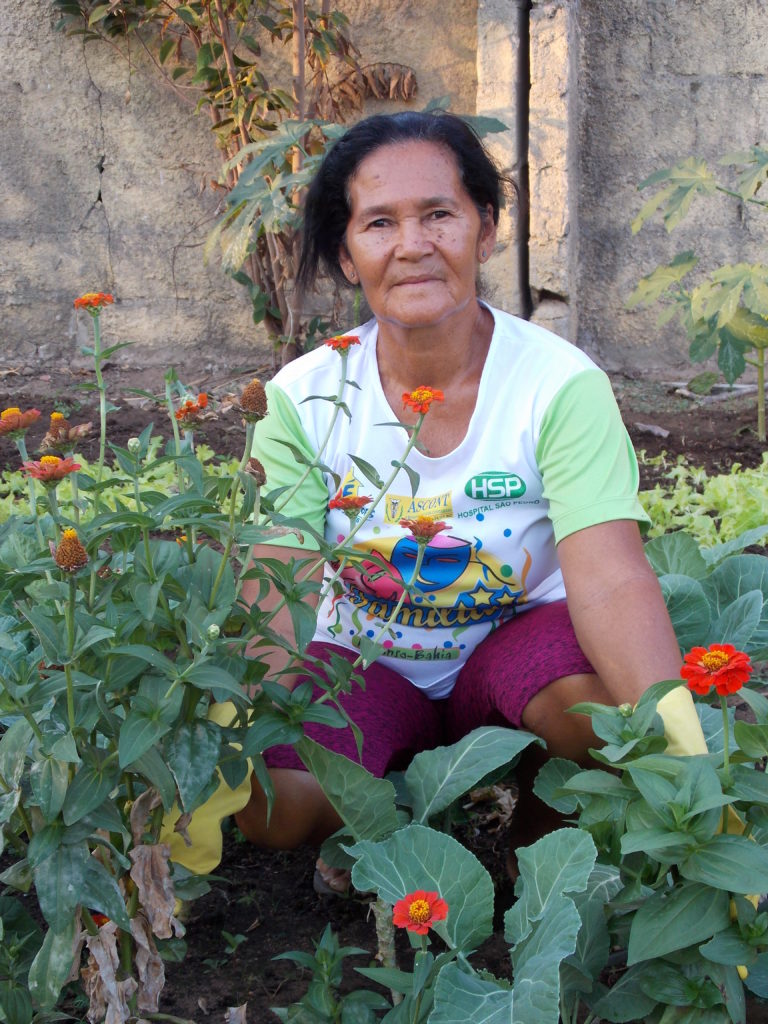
494, 485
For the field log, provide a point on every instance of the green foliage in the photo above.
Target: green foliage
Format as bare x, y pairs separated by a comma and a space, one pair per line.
726, 312
715, 510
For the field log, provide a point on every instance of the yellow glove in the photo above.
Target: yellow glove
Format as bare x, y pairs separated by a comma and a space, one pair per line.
681, 723
204, 829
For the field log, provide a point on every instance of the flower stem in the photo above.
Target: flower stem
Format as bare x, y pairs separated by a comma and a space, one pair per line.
385, 933
96, 316
21, 444
285, 498
726, 753
69, 617
235, 491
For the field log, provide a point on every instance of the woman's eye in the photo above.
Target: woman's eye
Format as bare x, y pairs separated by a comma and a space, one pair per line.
439, 214
380, 222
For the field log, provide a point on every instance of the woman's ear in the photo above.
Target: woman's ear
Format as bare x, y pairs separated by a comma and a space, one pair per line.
487, 237
347, 266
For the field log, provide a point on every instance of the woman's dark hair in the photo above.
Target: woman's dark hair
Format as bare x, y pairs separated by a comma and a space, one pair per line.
326, 207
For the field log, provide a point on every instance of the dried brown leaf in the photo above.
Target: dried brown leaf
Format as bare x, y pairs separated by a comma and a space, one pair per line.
149, 965
181, 826
108, 997
152, 876
141, 809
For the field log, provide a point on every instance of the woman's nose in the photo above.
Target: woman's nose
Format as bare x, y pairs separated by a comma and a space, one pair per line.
413, 239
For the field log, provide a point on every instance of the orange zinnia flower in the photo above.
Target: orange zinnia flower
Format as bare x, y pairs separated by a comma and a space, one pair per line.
423, 528
14, 422
342, 342
418, 911
50, 469
190, 411
94, 301
70, 555
421, 398
61, 436
719, 665
349, 504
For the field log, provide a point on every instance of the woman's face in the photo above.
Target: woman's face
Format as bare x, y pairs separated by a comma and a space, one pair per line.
415, 237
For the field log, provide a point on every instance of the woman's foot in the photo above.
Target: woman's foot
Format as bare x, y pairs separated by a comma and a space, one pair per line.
330, 881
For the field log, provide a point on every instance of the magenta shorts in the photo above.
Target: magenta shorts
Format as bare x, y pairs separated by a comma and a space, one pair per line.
397, 720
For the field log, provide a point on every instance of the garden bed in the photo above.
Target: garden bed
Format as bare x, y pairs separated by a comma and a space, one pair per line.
263, 903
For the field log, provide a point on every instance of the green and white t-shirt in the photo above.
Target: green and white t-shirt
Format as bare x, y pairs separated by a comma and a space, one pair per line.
545, 455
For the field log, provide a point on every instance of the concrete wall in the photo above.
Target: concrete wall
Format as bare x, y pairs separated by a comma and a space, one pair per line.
106, 186
657, 81
106, 174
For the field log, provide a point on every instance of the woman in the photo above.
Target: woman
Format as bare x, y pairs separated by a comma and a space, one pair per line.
534, 592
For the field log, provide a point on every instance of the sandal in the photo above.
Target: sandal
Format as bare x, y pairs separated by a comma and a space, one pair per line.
328, 881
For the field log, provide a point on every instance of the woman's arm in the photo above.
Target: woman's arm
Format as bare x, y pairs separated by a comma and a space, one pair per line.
276, 658
622, 625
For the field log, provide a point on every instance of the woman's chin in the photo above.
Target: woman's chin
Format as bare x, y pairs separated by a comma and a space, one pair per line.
422, 316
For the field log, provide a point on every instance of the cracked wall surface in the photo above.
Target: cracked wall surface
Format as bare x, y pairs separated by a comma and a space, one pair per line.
106, 174
105, 186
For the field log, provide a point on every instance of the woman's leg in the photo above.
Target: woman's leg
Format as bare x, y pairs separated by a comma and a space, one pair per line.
397, 721
527, 674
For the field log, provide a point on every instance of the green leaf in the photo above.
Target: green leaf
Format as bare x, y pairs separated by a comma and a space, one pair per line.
90, 787
192, 753
221, 682
683, 917
558, 863
59, 880
676, 554
593, 941
730, 356
688, 608
416, 857
148, 655
100, 892
729, 862
462, 998
52, 965
555, 773
738, 622
436, 778
153, 768
733, 578
49, 779
664, 277
138, 734
369, 472
365, 804
544, 923
625, 1000
729, 948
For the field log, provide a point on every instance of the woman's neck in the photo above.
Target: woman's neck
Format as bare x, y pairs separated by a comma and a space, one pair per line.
441, 356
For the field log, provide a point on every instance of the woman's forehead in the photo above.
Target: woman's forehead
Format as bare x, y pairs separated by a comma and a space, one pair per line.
422, 169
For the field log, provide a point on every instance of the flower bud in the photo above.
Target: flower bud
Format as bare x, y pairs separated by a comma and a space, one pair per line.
253, 401
134, 445
625, 710
212, 633
70, 555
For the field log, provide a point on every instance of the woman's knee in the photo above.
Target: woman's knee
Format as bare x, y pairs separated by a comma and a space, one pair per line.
300, 813
547, 715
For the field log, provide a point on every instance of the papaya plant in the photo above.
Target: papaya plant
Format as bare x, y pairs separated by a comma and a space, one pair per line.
724, 311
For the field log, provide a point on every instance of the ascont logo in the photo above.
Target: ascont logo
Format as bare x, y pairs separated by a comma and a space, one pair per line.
499, 485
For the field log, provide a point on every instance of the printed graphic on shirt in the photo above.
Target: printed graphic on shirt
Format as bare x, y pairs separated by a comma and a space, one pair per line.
498, 485
402, 506
457, 583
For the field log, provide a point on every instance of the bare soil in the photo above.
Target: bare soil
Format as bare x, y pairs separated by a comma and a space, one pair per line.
268, 897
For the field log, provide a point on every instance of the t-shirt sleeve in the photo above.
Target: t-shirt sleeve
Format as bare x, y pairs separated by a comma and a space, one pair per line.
586, 458
277, 437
